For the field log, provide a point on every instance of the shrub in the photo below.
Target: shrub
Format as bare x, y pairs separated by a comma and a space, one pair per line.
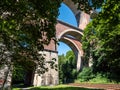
100, 78
86, 74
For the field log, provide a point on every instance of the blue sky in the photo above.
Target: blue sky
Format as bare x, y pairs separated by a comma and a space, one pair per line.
67, 16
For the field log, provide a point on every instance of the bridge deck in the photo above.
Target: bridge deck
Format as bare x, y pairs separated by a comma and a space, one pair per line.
71, 26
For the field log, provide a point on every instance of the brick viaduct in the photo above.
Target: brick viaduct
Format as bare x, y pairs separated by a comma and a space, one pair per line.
71, 36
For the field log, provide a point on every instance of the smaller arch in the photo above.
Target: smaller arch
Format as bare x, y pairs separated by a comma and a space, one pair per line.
77, 51
75, 33
74, 44
70, 44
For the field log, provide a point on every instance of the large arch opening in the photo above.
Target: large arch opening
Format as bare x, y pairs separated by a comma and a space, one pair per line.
67, 64
70, 63
66, 15
23, 73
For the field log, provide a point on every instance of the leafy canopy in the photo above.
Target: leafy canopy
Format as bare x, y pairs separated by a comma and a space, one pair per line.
101, 40
27, 25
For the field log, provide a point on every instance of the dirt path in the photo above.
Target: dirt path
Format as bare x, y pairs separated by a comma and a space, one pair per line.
97, 86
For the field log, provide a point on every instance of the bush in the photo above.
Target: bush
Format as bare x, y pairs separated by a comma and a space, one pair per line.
86, 74
100, 78
74, 73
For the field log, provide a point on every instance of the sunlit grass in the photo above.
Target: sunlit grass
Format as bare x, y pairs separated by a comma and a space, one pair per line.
16, 89
59, 87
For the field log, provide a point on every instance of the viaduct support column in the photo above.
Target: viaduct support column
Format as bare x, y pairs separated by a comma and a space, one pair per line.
79, 62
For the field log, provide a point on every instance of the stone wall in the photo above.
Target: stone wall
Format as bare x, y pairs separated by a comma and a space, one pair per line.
6, 77
51, 76
5, 67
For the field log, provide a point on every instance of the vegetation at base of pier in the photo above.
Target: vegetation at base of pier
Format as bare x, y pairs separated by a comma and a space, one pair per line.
87, 76
68, 75
67, 68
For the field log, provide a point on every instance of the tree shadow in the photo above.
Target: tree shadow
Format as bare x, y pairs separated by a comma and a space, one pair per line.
62, 88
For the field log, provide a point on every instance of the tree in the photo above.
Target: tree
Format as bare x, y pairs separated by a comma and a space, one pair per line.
25, 27
61, 61
67, 67
105, 50
27, 24
89, 42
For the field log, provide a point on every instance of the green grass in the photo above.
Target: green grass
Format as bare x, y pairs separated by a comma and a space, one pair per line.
16, 89
59, 87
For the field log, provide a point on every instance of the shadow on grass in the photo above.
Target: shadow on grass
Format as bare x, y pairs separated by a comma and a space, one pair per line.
20, 86
62, 88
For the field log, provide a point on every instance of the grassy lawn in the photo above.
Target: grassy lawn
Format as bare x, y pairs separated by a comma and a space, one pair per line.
59, 87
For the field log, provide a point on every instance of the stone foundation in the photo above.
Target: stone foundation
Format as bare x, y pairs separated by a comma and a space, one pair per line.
6, 68
6, 77
51, 76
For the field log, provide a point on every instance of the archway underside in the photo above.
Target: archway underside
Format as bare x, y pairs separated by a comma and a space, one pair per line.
75, 45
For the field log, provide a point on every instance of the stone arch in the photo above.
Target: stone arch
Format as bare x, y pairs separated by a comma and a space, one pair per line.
75, 33
81, 17
71, 36
76, 49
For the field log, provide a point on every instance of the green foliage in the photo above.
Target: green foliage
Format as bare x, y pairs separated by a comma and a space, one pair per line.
26, 26
85, 75
16, 89
99, 78
67, 68
18, 74
69, 54
101, 41
22, 70
89, 42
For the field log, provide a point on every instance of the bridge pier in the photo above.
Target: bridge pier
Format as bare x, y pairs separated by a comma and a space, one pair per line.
51, 76
79, 62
